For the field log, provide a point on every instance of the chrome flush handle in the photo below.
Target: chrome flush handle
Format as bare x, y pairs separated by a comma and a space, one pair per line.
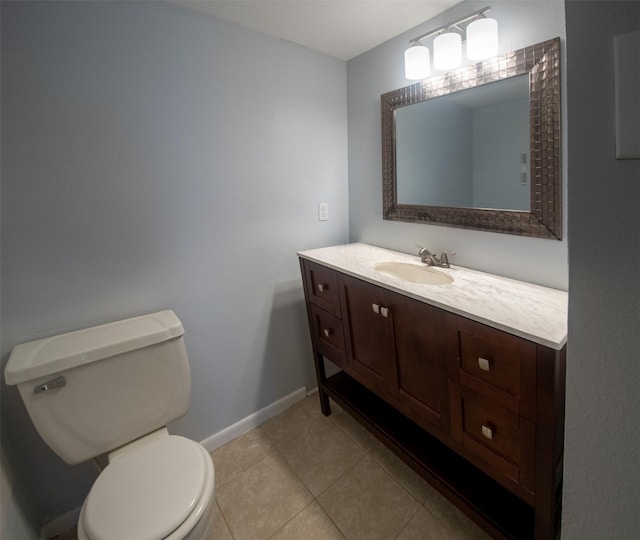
58, 382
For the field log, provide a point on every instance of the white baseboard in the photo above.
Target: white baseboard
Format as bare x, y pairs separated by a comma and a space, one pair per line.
60, 524
253, 420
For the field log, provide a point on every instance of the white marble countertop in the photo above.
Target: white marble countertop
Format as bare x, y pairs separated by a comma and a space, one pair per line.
533, 312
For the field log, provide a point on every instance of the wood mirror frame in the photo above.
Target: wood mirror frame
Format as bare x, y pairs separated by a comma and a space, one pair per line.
542, 63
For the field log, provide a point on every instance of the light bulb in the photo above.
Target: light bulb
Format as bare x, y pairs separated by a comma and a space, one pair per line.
482, 39
447, 51
416, 62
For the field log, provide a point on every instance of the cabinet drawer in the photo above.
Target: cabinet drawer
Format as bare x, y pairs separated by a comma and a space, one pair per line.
498, 436
496, 364
490, 424
328, 336
322, 287
502, 361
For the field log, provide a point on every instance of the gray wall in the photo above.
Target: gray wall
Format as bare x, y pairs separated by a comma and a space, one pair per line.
496, 155
601, 482
381, 70
158, 158
13, 521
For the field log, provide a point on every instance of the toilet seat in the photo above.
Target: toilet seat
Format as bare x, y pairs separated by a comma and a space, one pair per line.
156, 491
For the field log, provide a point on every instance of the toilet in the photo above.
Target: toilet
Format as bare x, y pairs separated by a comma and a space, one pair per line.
110, 390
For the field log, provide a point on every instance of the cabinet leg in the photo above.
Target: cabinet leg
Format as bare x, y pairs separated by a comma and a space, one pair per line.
321, 377
325, 407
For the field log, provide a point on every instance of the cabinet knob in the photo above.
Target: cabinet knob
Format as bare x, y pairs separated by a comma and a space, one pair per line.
487, 432
322, 287
376, 308
484, 364
327, 332
384, 311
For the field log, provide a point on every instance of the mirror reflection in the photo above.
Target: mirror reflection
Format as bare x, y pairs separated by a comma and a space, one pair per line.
466, 149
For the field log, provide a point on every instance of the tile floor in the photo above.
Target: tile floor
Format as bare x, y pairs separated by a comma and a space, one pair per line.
303, 476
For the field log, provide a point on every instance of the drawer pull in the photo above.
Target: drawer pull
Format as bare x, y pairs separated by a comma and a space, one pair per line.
487, 432
376, 308
484, 364
327, 332
384, 312
322, 287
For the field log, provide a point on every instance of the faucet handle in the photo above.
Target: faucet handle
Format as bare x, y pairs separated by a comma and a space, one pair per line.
444, 258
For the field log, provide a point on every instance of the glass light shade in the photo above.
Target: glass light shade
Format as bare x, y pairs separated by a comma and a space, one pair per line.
447, 51
482, 39
416, 62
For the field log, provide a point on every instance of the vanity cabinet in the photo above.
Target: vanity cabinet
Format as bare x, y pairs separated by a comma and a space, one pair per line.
477, 411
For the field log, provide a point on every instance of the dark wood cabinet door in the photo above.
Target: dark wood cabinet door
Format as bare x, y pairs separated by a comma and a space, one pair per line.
368, 327
421, 374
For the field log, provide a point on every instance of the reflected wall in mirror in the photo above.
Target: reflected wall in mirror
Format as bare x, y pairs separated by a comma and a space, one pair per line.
468, 149
479, 147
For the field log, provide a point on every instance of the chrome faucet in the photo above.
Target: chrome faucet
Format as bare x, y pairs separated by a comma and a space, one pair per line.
432, 260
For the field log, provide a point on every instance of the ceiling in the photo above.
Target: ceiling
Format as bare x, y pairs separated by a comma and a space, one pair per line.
343, 29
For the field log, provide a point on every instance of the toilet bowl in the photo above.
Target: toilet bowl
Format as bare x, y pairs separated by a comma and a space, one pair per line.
163, 489
111, 390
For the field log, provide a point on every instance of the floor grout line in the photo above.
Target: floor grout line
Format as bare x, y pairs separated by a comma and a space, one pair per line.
224, 519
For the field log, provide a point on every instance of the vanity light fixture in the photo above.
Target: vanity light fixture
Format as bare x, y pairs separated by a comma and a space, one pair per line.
481, 40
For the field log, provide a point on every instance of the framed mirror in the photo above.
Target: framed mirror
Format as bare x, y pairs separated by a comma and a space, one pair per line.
478, 148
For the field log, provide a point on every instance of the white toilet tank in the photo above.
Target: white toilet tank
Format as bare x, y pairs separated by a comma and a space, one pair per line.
93, 390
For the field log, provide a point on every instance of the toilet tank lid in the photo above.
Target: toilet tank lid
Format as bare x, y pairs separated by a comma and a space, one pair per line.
52, 355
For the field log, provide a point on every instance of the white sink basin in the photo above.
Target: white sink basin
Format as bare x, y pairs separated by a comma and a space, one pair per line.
414, 273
